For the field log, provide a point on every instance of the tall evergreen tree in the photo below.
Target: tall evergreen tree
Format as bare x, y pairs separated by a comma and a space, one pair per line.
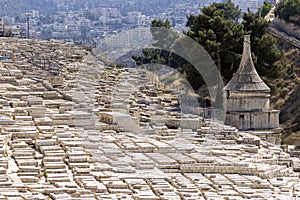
219, 32
289, 10
265, 9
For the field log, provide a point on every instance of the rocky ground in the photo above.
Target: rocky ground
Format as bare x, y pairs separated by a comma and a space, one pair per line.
73, 128
286, 92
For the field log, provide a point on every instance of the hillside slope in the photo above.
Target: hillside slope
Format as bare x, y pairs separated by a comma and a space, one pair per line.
286, 93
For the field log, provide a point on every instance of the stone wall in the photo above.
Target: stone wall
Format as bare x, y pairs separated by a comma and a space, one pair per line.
241, 103
253, 120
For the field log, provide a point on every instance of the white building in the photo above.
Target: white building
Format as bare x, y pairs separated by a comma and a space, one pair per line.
8, 20
133, 17
117, 41
137, 37
254, 5
35, 13
9, 29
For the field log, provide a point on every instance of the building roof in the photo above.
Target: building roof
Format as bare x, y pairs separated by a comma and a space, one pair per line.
246, 79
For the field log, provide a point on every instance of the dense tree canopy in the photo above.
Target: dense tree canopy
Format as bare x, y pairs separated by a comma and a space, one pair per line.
262, 44
230, 11
289, 10
219, 32
218, 35
265, 9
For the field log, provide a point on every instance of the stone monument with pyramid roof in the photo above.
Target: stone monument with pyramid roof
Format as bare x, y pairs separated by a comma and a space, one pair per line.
248, 97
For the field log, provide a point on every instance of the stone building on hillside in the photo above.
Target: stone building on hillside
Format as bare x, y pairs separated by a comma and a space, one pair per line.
248, 97
8, 30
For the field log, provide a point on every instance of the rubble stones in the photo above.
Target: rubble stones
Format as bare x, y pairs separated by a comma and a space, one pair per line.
50, 149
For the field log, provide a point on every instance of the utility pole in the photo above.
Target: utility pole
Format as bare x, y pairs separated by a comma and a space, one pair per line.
27, 20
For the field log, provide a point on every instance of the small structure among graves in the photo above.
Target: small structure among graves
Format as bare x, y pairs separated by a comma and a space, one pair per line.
248, 97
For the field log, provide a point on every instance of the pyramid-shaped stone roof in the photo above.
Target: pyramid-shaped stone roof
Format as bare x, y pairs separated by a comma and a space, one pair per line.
246, 79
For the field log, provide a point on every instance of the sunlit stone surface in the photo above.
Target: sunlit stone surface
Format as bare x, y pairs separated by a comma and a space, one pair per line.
66, 134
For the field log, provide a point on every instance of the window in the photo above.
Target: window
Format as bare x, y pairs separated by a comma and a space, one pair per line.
227, 94
241, 117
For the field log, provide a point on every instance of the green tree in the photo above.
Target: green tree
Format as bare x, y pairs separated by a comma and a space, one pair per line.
221, 35
168, 40
265, 9
289, 10
156, 55
265, 53
230, 11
